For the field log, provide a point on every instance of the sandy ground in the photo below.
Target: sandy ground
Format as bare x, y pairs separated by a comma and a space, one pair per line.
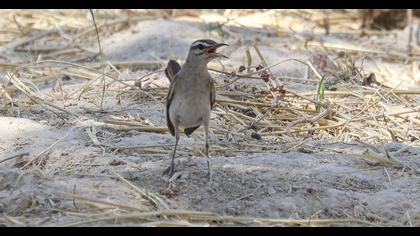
317, 178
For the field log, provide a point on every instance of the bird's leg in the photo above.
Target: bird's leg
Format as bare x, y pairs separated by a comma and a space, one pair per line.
206, 137
171, 169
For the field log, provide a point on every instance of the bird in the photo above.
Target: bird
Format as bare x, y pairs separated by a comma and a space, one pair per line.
191, 95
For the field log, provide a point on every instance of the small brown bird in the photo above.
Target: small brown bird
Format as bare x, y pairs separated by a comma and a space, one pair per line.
191, 94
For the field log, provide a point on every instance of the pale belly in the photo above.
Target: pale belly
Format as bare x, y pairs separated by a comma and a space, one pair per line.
190, 110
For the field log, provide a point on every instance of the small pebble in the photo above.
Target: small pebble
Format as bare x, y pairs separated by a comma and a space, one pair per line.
418, 171
304, 150
256, 136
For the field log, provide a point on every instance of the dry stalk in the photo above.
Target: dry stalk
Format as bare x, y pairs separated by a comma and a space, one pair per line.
91, 200
13, 156
194, 216
154, 199
102, 58
32, 96
39, 155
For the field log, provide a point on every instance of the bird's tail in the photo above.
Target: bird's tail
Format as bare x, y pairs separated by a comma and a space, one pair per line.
171, 69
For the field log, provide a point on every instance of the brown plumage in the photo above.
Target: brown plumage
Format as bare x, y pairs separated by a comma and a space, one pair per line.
191, 94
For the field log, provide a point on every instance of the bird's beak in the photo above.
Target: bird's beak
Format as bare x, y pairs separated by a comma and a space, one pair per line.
212, 50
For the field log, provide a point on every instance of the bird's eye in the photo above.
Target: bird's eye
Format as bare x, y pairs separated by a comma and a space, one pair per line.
200, 46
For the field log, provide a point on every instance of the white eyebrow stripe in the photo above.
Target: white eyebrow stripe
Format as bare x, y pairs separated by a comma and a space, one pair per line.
201, 42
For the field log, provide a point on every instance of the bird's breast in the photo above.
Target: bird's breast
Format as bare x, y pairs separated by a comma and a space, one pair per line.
190, 105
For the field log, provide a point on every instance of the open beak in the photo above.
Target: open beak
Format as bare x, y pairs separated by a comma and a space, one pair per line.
212, 50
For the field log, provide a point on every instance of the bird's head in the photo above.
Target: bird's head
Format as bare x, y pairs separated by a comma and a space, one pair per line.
205, 50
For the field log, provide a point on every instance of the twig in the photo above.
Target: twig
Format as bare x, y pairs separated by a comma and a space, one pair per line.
14, 155
207, 216
88, 199
102, 58
387, 174
25, 90
361, 50
17, 43
14, 220
312, 119
48, 148
155, 200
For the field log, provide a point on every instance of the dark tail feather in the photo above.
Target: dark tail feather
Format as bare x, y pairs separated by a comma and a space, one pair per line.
189, 131
171, 69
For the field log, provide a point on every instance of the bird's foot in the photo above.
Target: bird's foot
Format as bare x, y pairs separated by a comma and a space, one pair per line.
208, 176
171, 179
169, 171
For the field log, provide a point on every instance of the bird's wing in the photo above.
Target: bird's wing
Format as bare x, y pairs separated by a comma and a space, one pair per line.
171, 71
168, 104
212, 94
190, 130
